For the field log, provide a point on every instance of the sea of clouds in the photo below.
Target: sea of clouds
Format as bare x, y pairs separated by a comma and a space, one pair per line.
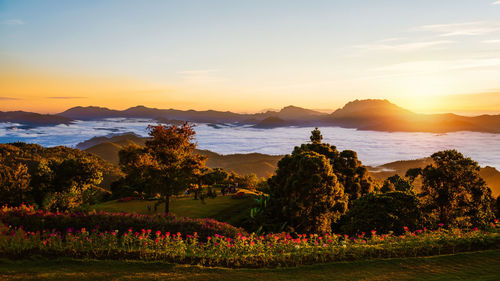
373, 148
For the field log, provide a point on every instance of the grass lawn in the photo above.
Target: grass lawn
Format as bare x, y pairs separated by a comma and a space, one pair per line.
465, 266
221, 208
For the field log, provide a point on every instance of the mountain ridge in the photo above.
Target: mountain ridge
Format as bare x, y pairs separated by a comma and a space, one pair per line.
369, 114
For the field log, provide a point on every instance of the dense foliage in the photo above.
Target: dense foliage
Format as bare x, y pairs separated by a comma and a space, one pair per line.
350, 172
314, 186
397, 183
383, 212
453, 192
53, 178
167, 164
305, 193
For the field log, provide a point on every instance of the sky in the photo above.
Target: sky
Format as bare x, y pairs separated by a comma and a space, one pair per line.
246, 56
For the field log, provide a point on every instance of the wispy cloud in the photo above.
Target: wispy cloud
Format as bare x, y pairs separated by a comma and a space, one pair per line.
461, 29
66, 98
410, 46
12, 22
496, 3
9, 98
495, 41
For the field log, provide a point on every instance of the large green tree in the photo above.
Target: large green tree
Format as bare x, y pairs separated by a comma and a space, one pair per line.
453, 192
167, 163
350, 172
305, 193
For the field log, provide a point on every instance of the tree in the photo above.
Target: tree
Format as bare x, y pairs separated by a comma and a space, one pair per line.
397, 183
305, 193
383, 212
215, 176
14, 184
316, 136
167, 162
453, 192
350, 172
39, 172
64, 185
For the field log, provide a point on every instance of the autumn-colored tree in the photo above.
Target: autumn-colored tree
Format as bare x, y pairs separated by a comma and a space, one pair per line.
167, 163
453, 192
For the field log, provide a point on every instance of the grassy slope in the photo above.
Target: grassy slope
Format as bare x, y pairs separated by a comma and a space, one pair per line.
465, 266
222, 208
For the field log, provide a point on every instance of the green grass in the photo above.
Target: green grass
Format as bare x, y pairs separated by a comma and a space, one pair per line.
222, 208
465, 266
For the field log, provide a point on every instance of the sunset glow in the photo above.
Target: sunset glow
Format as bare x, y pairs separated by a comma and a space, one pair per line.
250, 55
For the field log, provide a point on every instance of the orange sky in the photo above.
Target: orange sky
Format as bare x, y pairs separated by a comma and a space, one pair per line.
53, 93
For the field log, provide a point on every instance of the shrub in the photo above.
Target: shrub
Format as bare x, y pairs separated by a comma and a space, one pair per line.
383, 212
32, 220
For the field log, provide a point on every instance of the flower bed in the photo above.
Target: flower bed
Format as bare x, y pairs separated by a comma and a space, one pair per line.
241, 251
31, 220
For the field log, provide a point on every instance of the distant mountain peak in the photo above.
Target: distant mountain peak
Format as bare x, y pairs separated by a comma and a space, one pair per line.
370, 107
295, 110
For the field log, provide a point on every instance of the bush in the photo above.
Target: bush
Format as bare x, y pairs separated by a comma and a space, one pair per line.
31, 220
383, 212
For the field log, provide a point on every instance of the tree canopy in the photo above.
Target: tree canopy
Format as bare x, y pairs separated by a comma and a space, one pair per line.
350, 172
453, 192
42, 176
167, 164
305, 193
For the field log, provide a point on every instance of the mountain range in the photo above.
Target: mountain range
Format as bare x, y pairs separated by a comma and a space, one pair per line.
31, 119
370, 114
